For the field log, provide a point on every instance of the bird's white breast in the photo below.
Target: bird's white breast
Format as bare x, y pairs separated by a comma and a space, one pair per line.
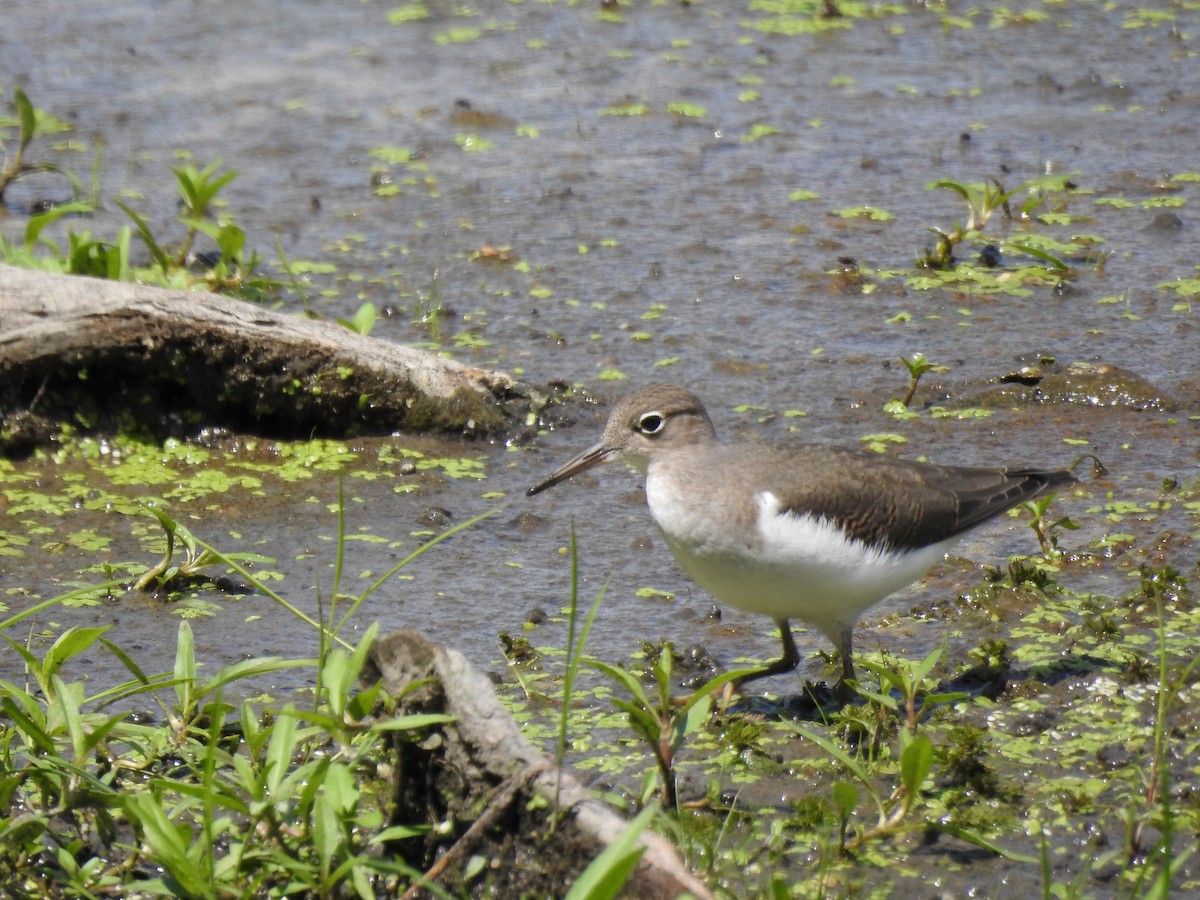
778, 563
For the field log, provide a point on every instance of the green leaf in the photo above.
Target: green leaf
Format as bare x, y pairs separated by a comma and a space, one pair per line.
845, 798
251, 667
1048, 258
915, 764
361, 705
626, 109
160, 256
606, 875
690, 110
326, 830
30, 723
627, 679
964, 834
961, 189
198, 188
339, 796
362, 321
853, 765
280, 747
185, 669
33, 229
231, 241
32, 663
336, 680
412, 722
169, 843
399, 833
71, 643
922, 669
27, 118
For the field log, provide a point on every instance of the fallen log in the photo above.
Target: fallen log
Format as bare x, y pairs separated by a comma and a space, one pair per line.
100, 354
491, 793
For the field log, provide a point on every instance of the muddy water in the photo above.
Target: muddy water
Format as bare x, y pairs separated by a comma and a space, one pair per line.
652, 238
661, 246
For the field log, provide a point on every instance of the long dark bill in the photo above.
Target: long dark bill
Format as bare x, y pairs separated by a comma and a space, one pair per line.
588, 459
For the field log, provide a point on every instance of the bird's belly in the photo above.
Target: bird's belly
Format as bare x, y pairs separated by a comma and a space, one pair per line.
794, 567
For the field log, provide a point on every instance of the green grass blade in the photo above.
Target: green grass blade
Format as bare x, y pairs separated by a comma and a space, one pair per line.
606, 875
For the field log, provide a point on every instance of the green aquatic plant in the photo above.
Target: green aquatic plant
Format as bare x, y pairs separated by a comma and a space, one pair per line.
1160, 814
917, 365
663, 724
209, 798
906, 688
167, 576
198, 190
85, 255
608, 873
1044, 527
362, 321
1185, 288
906, 802
686, 110
873, 213
577, 636
892, 809
626, 109
232, 269
30, 123
984, 201
427, 308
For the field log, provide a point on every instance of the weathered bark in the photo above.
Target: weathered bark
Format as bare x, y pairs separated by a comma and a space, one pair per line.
101, 354
481, 772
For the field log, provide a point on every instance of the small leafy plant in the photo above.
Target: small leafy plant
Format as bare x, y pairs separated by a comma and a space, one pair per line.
232, 269
362, 321
30, 123
208, 798
659, 720
166, 575
905, 688
85, 255
916, 762
917, 365
983, 202
218, 801
1045, 528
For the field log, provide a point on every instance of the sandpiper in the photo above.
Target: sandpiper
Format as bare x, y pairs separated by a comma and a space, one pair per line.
812, 532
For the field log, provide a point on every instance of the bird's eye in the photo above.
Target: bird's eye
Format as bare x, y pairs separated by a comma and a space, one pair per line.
651, 423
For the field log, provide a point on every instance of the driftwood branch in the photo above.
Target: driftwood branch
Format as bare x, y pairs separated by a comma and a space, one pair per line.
93, 353
481, 769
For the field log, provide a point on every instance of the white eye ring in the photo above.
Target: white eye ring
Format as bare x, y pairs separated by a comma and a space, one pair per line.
651, 422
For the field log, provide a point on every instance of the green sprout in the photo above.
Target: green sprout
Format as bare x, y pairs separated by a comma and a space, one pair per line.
663, 723
166, 575
905, 688
917, 364
1046, 528
31, 123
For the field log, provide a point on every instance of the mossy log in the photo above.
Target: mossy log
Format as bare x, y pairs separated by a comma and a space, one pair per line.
101, 355
489, 793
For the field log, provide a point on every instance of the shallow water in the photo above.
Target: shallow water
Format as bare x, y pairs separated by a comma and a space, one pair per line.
657, 247
294, 97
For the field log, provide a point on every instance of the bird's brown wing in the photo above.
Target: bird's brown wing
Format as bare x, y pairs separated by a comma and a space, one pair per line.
902, 504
